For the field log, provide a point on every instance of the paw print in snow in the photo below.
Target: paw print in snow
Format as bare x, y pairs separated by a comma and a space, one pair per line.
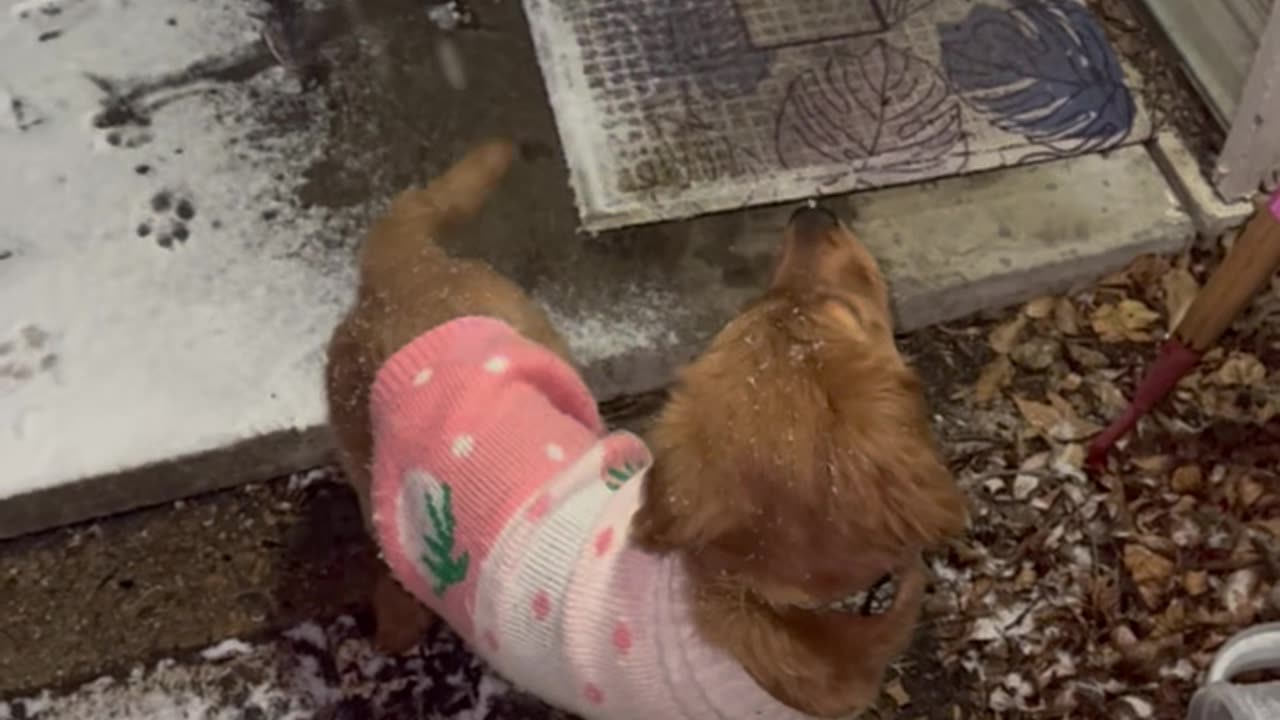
48, 19
17, 113
123, 128
122, 122
170, 223
28, 353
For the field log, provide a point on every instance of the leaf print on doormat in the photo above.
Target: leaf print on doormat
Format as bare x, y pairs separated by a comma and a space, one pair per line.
1043, 70
885, 115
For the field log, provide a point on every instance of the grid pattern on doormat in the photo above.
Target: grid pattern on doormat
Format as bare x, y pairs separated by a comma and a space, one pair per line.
673, 108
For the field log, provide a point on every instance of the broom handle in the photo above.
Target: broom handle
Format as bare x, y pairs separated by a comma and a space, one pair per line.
1245, 270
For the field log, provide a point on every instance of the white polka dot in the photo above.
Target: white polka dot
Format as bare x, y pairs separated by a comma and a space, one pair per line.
423, 376
497, 364
555, 452
463, 445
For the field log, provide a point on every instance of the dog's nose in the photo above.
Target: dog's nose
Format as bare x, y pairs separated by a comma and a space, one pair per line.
812, 222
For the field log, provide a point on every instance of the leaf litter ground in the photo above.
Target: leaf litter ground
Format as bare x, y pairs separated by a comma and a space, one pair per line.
1105, 594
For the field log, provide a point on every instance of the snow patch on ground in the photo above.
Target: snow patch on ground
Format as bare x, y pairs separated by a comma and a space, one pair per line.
172, 691
328, 670
641, 318
226, 649
154, 262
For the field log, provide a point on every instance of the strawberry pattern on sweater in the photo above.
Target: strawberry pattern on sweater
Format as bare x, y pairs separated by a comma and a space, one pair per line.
501, 503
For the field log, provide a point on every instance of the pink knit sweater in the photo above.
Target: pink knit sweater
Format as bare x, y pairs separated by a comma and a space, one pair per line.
501, 504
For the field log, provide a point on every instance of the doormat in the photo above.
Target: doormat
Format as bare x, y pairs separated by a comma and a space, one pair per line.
673, 108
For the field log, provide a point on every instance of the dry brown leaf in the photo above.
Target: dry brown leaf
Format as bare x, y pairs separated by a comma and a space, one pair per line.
1036, 353
1249, 490
1087, 357
1064, 317
1172, 620
1077, 427
1158, 544
898, 693
1040, 308
1186, 479
1041, 416
1026, 578
1152, 463
1196, 583
1123, 637
1150, 572
1146, 565
1240, 368
993, 377
1110, 399
1240, 596
1145, 270
1104, 596
1070, 459
1005, 337
1186, 532
1126, 320
1180, 289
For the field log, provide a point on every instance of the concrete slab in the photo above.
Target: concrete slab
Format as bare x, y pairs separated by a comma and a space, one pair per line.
203, 357
1212, 214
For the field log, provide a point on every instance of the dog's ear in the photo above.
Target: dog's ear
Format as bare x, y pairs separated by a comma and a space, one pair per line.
680, 509
887, 459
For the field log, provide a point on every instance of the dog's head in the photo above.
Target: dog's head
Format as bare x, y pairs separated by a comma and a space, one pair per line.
795, 457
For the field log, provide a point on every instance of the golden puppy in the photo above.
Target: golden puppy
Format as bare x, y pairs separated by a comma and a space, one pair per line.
409, 285
796, 475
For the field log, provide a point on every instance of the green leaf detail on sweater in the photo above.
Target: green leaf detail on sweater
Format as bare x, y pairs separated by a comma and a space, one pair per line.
447, 569
616, 477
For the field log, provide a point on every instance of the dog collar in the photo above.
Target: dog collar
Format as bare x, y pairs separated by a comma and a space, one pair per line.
875, 600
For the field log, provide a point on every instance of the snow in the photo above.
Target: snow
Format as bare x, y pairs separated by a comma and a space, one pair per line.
169, 691
226, 649
308, 671
116, 352
300, 481
447, 15
1007, 622
309, 633
641, 318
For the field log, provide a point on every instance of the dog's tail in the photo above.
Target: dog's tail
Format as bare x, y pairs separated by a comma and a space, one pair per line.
418, 216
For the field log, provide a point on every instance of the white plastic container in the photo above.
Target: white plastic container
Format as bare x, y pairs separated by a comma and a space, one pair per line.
1257, 648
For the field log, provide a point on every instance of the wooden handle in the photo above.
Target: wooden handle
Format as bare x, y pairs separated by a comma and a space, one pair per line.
1245, 270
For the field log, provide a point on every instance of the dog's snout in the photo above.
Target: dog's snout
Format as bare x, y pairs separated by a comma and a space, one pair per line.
812, 222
